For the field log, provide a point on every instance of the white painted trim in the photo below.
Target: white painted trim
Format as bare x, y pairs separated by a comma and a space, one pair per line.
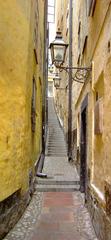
99, 193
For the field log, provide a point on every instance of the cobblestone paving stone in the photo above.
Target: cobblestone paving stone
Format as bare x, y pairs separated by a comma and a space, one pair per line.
25, 226
82, 220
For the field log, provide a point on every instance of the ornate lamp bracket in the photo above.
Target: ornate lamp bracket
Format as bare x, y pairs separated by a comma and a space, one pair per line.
79, 74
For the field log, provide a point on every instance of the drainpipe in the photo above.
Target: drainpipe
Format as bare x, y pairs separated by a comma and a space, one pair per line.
44, 96
70, 86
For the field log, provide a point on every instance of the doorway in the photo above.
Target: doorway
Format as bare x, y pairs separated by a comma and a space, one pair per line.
83, 147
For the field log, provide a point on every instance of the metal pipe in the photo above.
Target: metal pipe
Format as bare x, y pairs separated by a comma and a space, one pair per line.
70, 86
45, 82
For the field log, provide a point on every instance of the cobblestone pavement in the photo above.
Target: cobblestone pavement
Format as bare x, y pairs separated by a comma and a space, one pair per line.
25, 226
54, 216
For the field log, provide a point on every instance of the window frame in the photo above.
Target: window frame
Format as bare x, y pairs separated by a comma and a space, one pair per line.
33, 105
91, 7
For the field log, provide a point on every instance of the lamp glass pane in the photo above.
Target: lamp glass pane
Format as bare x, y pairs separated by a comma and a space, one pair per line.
59, 53
56, 82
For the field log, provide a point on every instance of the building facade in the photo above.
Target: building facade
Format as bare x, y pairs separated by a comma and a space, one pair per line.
22, 103
91, 128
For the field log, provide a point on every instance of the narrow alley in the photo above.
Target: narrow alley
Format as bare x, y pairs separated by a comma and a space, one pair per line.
55, 120
57, 210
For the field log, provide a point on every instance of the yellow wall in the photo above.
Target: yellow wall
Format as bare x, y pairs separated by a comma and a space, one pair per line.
101, 84
97, 50
19, 148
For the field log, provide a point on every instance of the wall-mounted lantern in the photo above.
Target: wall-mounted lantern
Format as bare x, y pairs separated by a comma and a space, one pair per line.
56, 80
58, 50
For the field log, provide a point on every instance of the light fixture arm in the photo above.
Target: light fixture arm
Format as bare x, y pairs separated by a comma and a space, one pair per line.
81, 74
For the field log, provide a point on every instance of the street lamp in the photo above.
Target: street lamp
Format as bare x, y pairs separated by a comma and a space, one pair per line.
58, 50
56, 80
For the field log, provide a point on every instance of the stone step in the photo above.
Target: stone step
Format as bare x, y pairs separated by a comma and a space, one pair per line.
56, 137
54, 131
56, 155
47, 181
54, 134
56, 152
57, 188
57, 149
56, 141
56, 146
51, 124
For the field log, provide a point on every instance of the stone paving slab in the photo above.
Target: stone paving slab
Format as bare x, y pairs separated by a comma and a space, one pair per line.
64, 217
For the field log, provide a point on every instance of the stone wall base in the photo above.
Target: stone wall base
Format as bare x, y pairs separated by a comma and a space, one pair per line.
100, 220
11, 209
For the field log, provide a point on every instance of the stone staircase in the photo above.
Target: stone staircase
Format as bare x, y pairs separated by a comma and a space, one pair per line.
61, 175
56, 145
57, 186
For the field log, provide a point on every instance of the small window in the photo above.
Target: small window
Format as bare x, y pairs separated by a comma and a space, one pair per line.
98, 116
79, 37
78, 61
84, 44
91, 7
33, 106
67, 21
36, 30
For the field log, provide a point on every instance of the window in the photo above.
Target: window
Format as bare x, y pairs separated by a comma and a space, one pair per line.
36, 30
67, 20
98, 116
91, 6
79, 37
84, 44
79, 42
33, 106
51, 11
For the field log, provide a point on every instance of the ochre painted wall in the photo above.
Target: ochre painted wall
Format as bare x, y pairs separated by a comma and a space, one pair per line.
19, 147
